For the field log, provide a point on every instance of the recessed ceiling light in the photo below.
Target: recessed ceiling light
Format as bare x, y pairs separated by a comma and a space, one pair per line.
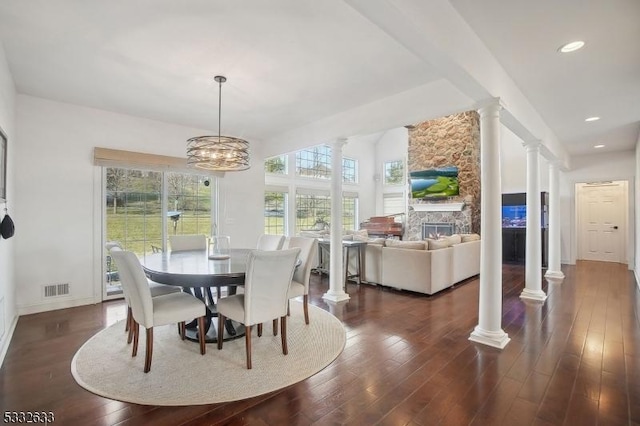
571, 47
592, 119
598, 146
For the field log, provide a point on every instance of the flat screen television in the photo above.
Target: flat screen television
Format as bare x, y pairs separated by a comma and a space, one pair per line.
435, 183
514, 216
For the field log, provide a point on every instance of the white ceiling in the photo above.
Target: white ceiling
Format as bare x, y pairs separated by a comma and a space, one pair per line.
602, 79
294, 66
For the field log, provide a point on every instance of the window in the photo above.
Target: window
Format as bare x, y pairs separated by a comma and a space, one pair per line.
134, 209
275, 208
394, 172
316, 163
314, 212
393, 203
276, 165
189, 199
350, 212
349, 172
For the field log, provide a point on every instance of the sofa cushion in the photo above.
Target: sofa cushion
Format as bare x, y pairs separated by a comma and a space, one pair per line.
360, 232
454, 239
469, 237
439, 244
368, 240
378, 241
414, 245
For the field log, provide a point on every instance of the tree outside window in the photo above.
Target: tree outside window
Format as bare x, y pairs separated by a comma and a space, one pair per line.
276, 165
394, 172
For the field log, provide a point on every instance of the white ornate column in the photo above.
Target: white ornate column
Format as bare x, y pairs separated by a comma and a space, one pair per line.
336, 291
489, 329
533, 259
554, 271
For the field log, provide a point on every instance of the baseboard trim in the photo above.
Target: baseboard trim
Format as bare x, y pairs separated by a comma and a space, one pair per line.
52, 306
7, 339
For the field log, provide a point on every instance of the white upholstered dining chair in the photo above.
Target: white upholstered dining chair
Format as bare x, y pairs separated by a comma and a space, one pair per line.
187, 242
265, 297
156, 311
156, 289
300, 283
270, 242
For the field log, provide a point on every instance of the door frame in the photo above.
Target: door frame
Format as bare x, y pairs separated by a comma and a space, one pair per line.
627, 253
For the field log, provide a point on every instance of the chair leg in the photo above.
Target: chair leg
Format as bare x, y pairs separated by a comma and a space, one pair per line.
283, 334
305, 304
247, 339
132, 323
201, 335
275, 326
260, 330
288, 310
127, 323
149, 351
181, 329
220, 330
135, 328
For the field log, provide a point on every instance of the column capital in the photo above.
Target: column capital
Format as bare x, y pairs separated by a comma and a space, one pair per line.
339, 142
532, 145
489, 107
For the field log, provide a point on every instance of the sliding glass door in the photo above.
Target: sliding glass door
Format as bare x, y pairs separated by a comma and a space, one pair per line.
142, 207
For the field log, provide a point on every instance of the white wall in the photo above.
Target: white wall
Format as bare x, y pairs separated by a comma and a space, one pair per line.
363, 150
636, 216
595, 168
513, 165
8, 313
58, 206
393, 145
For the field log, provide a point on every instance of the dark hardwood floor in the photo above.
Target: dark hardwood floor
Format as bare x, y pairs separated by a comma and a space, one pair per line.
573, 361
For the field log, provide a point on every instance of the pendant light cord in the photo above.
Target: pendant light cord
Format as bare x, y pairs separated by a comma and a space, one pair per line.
219, 107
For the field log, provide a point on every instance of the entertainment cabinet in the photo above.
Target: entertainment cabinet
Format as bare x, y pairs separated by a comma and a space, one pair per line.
514, 231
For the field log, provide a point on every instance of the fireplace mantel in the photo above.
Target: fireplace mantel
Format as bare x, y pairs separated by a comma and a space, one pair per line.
437, 207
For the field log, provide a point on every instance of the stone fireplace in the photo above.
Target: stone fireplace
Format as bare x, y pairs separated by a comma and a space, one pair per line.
449, 141
458, 215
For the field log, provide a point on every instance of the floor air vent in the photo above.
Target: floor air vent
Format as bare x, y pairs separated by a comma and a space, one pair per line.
55, 290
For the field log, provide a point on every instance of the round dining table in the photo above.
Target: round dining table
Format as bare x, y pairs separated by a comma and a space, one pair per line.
196, 273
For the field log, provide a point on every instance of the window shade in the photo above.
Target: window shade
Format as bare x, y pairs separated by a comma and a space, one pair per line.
107, 157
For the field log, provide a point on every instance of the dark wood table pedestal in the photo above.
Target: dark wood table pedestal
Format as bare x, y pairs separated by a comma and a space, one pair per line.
194, 272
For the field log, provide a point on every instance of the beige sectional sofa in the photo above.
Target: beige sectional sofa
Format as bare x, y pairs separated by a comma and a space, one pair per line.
411, 265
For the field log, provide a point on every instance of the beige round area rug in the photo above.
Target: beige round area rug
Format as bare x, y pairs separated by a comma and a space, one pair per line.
181, 376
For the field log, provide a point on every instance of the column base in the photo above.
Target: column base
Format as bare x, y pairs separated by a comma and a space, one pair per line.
537, 295
554, 275
496, 339
335, 297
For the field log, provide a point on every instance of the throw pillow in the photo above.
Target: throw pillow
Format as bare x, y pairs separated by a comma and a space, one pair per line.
414, 245
470, 237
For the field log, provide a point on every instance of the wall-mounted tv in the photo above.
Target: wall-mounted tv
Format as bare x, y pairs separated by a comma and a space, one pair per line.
438, 183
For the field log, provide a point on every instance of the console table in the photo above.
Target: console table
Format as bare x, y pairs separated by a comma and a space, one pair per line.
349, 248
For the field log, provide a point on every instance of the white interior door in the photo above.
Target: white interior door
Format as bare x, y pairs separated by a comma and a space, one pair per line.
602, 221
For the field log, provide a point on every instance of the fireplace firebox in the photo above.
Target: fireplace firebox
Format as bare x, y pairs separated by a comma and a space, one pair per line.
437, 229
